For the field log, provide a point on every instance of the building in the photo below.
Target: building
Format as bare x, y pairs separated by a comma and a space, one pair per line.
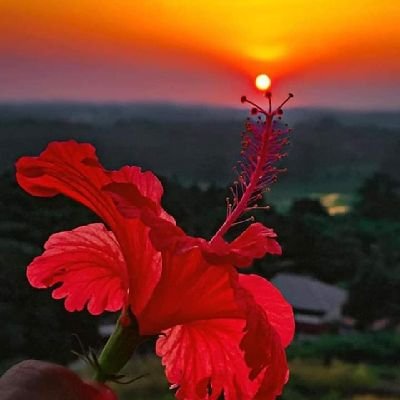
317, 306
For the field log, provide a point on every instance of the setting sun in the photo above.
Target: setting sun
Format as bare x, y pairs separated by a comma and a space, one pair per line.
200, 52
263, 82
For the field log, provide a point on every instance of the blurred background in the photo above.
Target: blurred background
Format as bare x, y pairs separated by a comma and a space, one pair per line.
157, 84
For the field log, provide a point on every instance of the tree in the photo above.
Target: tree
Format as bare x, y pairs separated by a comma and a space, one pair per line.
379, 197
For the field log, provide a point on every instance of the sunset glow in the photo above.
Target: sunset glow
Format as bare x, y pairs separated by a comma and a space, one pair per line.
200, 51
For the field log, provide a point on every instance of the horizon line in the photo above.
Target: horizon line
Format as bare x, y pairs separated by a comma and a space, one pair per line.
177, 104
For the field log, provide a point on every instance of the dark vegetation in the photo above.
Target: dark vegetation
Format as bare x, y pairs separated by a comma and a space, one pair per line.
359, 251
330, 152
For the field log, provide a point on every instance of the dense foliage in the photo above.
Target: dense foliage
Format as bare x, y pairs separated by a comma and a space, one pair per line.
359, 251
381, 348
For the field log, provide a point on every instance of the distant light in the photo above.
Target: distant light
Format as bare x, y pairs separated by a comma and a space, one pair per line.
263, 82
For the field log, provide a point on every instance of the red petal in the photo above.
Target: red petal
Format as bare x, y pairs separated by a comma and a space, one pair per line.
255, 242
88, 263
73, 169
144, 263
146, 182
204, 359
279, 312
166, 236
269, 327
190, 289
129, 200
258, 328
273, 378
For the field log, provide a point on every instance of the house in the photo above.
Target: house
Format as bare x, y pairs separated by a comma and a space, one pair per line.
317, 306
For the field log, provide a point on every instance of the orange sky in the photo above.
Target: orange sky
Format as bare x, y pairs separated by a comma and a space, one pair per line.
335, 53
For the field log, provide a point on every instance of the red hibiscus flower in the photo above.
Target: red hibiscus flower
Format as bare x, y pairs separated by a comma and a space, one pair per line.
221, 332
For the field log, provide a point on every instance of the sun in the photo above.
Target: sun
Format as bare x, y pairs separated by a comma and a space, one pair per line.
263, 82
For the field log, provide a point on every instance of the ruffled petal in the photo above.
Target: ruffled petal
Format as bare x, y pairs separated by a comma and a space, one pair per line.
72, 169
255, 242
146, 182
88, 264
167, 237
189, 289
279, 312
256, 330
144, 263
136, 203
269, 384
132, 200
269, 329
206, 358
203, 360
257, 327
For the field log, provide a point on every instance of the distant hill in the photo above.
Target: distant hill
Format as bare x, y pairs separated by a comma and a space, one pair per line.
331, 151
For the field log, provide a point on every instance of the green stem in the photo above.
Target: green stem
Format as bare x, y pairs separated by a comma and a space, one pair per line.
118, 350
